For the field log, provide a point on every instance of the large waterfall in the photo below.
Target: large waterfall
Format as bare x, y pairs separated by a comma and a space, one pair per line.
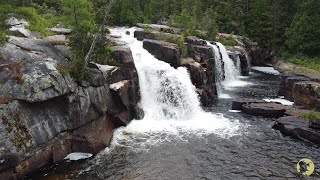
168, 98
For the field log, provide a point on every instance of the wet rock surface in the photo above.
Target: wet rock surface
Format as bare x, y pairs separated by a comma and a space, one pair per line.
297, 128
237, 104
268, 110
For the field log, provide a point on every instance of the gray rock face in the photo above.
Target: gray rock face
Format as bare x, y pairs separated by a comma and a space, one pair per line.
297, 128
44, 114
56, 39
163, 51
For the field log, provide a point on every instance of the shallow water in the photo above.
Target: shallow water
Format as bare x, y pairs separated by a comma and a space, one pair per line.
253, 150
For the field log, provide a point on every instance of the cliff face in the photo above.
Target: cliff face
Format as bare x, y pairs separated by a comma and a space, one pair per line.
45, 114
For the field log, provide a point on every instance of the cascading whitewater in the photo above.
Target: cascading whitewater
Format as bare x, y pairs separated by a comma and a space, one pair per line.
227, 73
230, 70
169, 100
219, 72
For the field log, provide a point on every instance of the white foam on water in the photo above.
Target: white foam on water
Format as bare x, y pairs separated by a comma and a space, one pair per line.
280, 100
267, 70
171, 105
78, 156
235, 111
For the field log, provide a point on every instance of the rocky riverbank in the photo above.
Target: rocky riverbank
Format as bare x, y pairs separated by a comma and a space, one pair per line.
45, 114
300, 88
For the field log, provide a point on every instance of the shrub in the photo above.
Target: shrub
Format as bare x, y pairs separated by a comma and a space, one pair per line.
37, 22
311, 115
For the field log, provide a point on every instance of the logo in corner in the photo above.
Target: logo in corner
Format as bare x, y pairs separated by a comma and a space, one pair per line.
305, 167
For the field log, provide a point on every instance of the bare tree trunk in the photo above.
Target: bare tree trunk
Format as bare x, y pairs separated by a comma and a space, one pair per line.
95, 39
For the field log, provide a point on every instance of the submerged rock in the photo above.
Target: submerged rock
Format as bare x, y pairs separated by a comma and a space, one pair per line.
297, 128
237, 104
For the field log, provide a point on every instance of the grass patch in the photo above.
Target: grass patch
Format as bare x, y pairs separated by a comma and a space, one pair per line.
310, 115
307, 64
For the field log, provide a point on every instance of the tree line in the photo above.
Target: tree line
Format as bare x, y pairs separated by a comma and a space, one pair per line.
277, 25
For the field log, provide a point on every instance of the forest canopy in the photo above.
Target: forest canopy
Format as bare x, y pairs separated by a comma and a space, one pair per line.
277, 25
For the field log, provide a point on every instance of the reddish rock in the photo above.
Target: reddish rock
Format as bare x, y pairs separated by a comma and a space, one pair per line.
164, 51
268, 110
307, 94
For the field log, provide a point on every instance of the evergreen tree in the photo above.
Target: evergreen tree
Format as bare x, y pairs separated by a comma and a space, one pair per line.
304, 34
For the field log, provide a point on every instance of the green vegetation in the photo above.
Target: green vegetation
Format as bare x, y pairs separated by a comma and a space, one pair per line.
229, 41
311, 115
276, 25
306, 64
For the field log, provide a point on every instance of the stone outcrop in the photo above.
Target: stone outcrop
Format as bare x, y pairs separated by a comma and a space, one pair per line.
307, 94
257, 55
297, 128
287, 83
45, 114
165, 51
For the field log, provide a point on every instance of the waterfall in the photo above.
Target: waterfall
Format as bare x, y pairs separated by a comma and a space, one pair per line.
226, 71
238, 65
231, 72
169, 100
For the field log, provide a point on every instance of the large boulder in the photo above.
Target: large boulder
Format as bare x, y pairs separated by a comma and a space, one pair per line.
268, 110
307, 94
164, 51
297, 128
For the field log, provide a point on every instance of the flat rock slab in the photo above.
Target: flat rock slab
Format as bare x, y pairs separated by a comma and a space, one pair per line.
268, 110
297, 128
237, 104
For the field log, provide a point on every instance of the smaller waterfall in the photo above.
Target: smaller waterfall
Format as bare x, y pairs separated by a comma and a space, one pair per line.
238, 65
230, 70
227, 72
